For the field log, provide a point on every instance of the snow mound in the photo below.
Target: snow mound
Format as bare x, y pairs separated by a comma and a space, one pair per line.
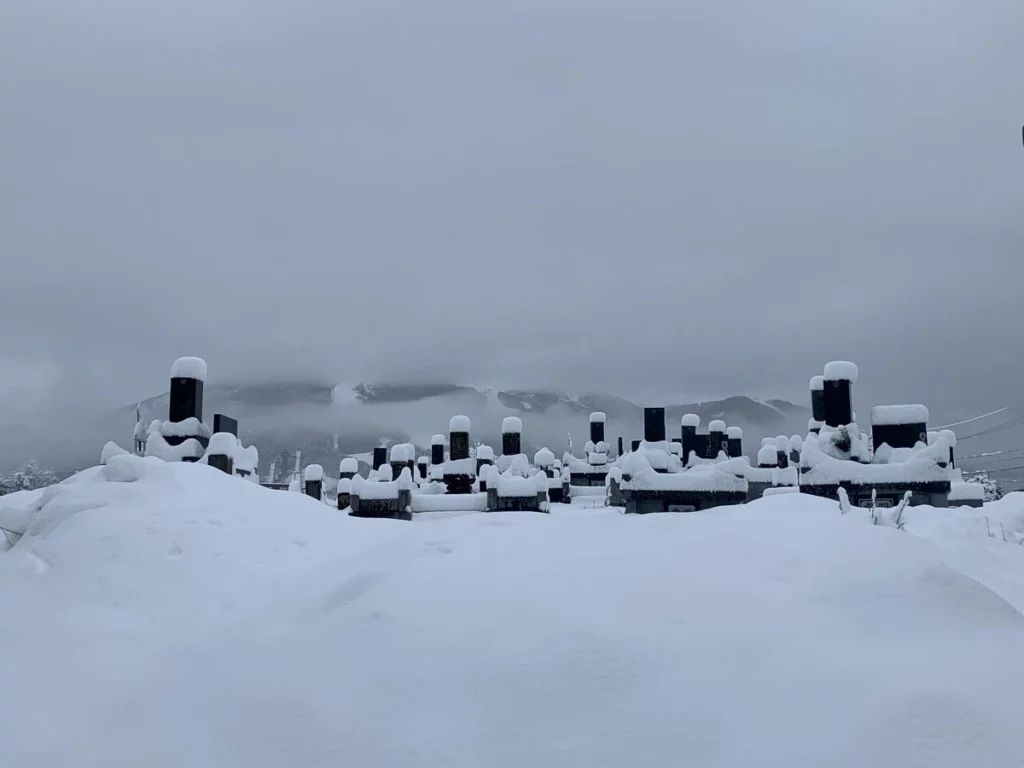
187, 615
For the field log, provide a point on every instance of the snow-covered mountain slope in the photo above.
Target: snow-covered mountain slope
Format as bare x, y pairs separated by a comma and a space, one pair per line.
280, 419
167, 614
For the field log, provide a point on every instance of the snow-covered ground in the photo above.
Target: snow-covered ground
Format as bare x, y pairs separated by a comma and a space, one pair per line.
169, 615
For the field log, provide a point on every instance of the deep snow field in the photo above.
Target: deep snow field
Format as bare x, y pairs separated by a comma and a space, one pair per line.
170, 615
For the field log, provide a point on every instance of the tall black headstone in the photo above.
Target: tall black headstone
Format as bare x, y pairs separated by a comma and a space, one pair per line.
511, 436
380, 457
817, 386
838, 392
620, 446
222, 423
597, 421
636, 445
654, 425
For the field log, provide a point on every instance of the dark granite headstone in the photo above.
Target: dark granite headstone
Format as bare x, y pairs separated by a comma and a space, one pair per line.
818, 404
654, 425
459, 445
380, 457
782, 459
898, 435
689, 442
735, 447
437, 454
222, 423
636, 445
511, 443
838, 402
620, 446
223, 463
186, 400
315, 488
596, 432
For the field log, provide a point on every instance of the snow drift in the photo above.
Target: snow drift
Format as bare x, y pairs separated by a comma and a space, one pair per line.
171, 614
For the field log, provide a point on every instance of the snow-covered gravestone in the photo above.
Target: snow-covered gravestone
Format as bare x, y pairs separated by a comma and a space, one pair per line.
380, 457
422, 465
689, 424
782, 451
511, 436
314, 481
222, 451
222, 423
840, 376
716, 439
950, 437
401, 455
597, 422
460, 469
734, 442
767, 457
796, 445
348, 468
484, 456
899, 426
185, 410
437, 450
817, 387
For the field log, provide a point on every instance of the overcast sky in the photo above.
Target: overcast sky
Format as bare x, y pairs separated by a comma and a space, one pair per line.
659, 199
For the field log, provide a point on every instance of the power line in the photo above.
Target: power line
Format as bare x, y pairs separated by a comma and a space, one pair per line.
976, 418
1013, 423
988, 454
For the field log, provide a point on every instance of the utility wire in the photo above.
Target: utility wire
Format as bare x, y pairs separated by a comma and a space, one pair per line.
976, 418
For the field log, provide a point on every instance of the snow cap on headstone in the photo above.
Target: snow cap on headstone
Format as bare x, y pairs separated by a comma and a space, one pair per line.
817, 383
782, 443
189, 368
691, 420
716, 426
765, 441
734, 433
459, 424
544, 458
768, 456
349, 464
598, 417
313, 473
511, 425
485, 452
841, 370
950, 436
437, 440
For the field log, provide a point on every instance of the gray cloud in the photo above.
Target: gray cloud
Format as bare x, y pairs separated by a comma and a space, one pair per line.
661, 199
